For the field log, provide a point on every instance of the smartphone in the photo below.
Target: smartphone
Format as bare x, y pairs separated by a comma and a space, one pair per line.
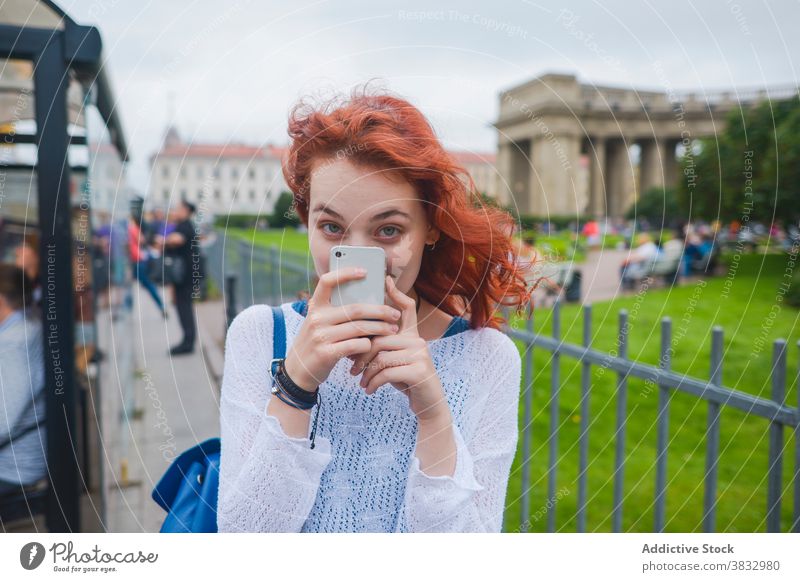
367, 289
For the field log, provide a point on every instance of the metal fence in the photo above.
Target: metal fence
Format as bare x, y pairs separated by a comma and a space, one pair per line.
252, 274
774, 411
247, 273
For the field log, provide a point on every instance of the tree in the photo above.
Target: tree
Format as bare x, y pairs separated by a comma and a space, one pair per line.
284, 214
659, 206
749, 171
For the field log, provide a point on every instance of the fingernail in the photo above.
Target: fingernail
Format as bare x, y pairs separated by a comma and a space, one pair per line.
396, 314
395, 328
361, 271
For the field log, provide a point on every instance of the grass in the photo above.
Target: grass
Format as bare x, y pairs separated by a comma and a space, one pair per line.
286, 239
745, 305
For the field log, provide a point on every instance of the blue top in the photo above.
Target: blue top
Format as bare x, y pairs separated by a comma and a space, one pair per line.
457, 324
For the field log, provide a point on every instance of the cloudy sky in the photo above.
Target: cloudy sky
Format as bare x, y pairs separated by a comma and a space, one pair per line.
230, 71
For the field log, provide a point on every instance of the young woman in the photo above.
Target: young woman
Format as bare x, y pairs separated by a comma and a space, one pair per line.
418, 398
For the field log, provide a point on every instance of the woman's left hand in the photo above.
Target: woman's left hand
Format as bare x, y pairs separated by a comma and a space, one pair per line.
404, 361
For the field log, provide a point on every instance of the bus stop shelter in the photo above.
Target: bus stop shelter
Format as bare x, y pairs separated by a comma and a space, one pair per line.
62, 191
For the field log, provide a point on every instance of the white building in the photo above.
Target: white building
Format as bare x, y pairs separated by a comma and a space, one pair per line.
244, 179
220, 179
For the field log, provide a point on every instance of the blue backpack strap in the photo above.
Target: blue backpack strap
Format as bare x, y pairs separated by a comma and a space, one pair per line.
278, 336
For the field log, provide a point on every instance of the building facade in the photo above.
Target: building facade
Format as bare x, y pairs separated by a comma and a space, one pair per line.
226, 179
220, 179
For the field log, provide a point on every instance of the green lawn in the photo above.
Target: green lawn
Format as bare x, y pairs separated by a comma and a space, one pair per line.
288, 239
749, 308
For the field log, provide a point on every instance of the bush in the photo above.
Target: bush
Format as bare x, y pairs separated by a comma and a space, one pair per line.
659, 206
284, 214
557, 221
793, 295
248, 221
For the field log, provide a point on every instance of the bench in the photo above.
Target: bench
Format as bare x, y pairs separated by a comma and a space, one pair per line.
560, 277
23, 503
666, 266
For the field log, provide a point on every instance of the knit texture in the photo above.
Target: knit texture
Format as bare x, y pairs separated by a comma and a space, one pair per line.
363, 474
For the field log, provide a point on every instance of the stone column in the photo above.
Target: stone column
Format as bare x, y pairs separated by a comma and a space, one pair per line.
597, 181
555, 162
651, 169
668, 162
620, 183
503, 175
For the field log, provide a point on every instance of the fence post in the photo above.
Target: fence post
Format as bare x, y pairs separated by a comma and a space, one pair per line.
662, 430
230, 299
555, 380
528, 428
796, 518
246, 272
712, 436
775, 470
583, 445
622, 407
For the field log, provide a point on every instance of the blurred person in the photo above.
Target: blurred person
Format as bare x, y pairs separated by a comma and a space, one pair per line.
22, 431
140, 261
591, 230
27, 258
635, 265
179, 245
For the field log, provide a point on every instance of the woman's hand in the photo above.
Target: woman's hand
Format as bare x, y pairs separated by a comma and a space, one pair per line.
403, 360
330, 333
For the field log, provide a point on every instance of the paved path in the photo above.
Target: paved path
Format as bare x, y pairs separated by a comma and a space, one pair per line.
173, 404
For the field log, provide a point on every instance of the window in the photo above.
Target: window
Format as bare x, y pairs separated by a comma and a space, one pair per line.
165, 171
183, 171
200, 172
183, 194
215, 172
166, 194
216, 195
234, 173
252, 173
252, 194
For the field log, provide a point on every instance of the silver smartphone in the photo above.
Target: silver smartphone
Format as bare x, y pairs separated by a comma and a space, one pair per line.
368, 289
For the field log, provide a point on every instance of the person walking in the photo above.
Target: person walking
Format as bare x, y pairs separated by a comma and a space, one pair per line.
140, 261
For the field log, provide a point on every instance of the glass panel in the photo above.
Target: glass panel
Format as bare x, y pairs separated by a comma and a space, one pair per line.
30, 13
102, 273
24, 462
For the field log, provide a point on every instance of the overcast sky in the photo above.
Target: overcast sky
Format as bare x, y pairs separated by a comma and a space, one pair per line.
235, 68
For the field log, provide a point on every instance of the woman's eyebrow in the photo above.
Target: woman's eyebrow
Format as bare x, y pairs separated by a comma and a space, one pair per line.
323, 208
380, 216
390, 212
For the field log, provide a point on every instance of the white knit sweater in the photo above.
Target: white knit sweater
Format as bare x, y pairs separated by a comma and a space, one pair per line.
363, 474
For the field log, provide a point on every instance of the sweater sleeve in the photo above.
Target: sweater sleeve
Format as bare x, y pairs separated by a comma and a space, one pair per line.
473, 498
268, 480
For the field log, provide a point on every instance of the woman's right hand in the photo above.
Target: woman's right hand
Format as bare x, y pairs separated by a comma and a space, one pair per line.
330, 333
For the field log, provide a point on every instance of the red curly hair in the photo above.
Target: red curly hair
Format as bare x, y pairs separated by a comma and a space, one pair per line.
474, 265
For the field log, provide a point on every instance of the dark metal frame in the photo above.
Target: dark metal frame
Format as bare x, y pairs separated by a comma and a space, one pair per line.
56, 54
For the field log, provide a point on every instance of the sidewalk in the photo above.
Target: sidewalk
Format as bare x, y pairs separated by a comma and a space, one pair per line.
174, 404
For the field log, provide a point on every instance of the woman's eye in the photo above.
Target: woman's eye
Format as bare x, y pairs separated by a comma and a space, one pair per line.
394, 230
328, 231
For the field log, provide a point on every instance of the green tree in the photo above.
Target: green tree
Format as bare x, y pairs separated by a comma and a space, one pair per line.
658, 205
749, 171
284, 214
